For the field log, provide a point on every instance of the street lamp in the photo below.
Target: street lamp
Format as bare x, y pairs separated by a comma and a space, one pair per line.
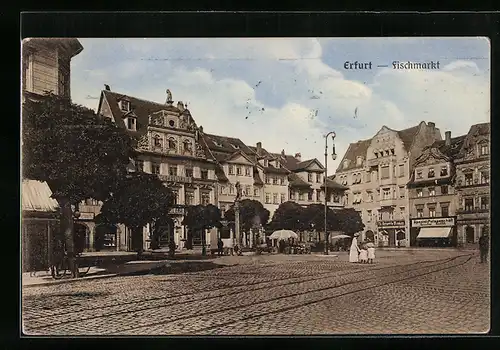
334, 156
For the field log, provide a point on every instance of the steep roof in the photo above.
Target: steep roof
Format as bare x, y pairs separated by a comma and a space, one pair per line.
223, 146
332, 184
482, 129
356, 149
296, 181
452, 150
36, 196
408, 135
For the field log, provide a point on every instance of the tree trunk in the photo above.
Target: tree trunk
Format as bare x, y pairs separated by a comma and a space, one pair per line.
67, 228
137, 239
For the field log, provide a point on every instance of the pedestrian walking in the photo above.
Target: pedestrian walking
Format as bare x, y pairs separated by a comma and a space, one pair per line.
371, 252
363, 254
220, 246
484, 247
354, 251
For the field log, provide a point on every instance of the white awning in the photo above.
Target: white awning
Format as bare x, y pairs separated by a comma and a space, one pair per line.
434, 232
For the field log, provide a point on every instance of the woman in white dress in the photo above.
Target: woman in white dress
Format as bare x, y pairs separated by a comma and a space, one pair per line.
354, 251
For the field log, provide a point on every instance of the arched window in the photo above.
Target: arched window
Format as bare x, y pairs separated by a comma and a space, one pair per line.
172, 144
188, 147
157, 141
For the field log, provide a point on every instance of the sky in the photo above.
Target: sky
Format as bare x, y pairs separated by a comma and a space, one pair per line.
289, 92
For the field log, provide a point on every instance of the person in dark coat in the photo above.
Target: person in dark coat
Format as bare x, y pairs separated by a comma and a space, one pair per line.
484, 247
220, 246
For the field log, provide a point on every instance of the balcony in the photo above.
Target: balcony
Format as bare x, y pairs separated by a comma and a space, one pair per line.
473, 211
175, 178
389, 202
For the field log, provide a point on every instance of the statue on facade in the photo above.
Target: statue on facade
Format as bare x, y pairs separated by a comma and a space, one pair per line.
169, 96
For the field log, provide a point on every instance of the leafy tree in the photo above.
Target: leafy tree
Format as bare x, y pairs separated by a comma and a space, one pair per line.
288, 216
78, 153
350, 221
252, 215
138, 199
201, 218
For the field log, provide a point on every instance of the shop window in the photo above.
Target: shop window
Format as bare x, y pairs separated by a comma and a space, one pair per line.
301, 196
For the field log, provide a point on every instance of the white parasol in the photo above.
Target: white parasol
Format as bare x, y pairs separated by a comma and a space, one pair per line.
283, 234
341, 236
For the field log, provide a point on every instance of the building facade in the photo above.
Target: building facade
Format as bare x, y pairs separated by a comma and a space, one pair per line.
432, 194
45, 68
377, 171
473, 185
170, 146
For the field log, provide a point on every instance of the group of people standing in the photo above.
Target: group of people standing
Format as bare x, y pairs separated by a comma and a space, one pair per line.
363, 253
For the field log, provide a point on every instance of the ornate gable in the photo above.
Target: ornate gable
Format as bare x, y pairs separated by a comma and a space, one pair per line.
431, 156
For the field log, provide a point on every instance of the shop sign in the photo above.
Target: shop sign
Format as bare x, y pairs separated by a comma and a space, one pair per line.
391, 223
176, 211
86, 216
433, 222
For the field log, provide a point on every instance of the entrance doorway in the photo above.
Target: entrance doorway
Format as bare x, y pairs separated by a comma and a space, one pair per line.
392, 238
105, 237
81, 237
162, 234
469, 234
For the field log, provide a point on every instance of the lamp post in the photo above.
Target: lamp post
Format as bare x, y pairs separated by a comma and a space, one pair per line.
334, 156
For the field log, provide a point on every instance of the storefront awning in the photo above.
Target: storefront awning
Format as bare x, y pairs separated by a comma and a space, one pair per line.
434, 232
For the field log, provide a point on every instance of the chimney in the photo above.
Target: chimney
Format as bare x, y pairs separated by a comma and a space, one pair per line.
180, 106
283, 152
259, 148
200, 129
106, 87
431, 124
447, 138
298, 156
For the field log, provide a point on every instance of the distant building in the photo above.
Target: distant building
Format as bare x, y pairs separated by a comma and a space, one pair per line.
473, 184
377, 171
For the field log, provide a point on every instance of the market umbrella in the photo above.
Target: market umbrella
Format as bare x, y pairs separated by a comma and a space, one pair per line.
283, 235
341, 236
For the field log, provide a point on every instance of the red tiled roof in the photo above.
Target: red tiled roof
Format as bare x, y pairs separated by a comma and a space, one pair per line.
451, 150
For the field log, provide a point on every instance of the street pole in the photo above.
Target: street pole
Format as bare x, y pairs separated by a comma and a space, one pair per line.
334, 156
237, 223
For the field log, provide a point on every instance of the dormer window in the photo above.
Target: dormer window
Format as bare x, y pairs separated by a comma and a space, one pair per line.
483, 149
346, 163
125, 105
217, 144
359, 160
392, 151
386, 152
430, 174
130, 122
419, 174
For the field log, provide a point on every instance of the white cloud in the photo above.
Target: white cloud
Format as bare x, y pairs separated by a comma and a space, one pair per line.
322, 99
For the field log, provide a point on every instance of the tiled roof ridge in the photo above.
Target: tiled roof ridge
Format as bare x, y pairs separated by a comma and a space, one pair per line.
121, 95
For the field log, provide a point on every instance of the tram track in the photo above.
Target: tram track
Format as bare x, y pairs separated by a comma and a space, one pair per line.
379, 274
244, 287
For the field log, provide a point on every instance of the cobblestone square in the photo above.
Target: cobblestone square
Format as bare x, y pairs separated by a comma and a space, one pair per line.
419, 292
